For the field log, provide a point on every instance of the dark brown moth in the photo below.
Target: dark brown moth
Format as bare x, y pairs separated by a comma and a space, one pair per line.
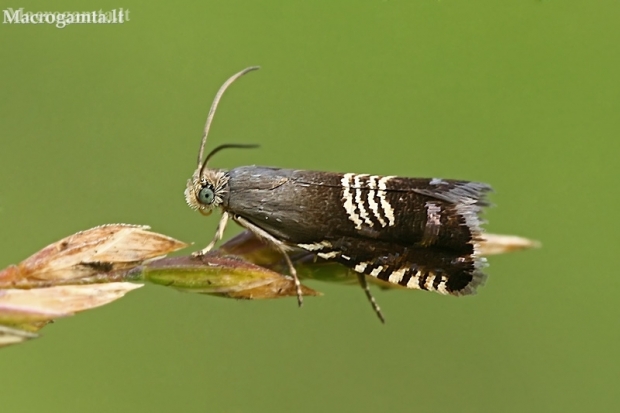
415, 232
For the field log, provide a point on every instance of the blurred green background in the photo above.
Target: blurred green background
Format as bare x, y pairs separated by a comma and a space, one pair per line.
101, 124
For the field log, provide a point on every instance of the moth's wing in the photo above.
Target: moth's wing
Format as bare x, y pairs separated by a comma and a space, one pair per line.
425, 268
415, 232
420, 233
290, 210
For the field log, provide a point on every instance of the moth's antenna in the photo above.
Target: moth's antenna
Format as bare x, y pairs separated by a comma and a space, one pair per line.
216, 101
225, 146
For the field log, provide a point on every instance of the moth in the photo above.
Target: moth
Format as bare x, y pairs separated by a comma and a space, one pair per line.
419, 233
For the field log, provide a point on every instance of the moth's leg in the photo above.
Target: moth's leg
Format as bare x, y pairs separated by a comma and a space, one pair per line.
218, 235
280, 246
362, 279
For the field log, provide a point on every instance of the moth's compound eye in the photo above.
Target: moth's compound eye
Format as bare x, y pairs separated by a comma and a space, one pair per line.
206, 195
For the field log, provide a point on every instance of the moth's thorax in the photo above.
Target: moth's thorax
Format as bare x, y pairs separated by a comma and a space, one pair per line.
216, 179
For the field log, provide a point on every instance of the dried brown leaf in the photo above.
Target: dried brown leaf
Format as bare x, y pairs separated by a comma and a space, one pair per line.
493, 244
98, 250
45, 304
9, 335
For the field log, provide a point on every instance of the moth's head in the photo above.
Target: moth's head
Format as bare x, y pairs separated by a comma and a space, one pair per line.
206, 190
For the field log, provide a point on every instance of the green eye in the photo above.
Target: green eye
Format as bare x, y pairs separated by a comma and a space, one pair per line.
206, 195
